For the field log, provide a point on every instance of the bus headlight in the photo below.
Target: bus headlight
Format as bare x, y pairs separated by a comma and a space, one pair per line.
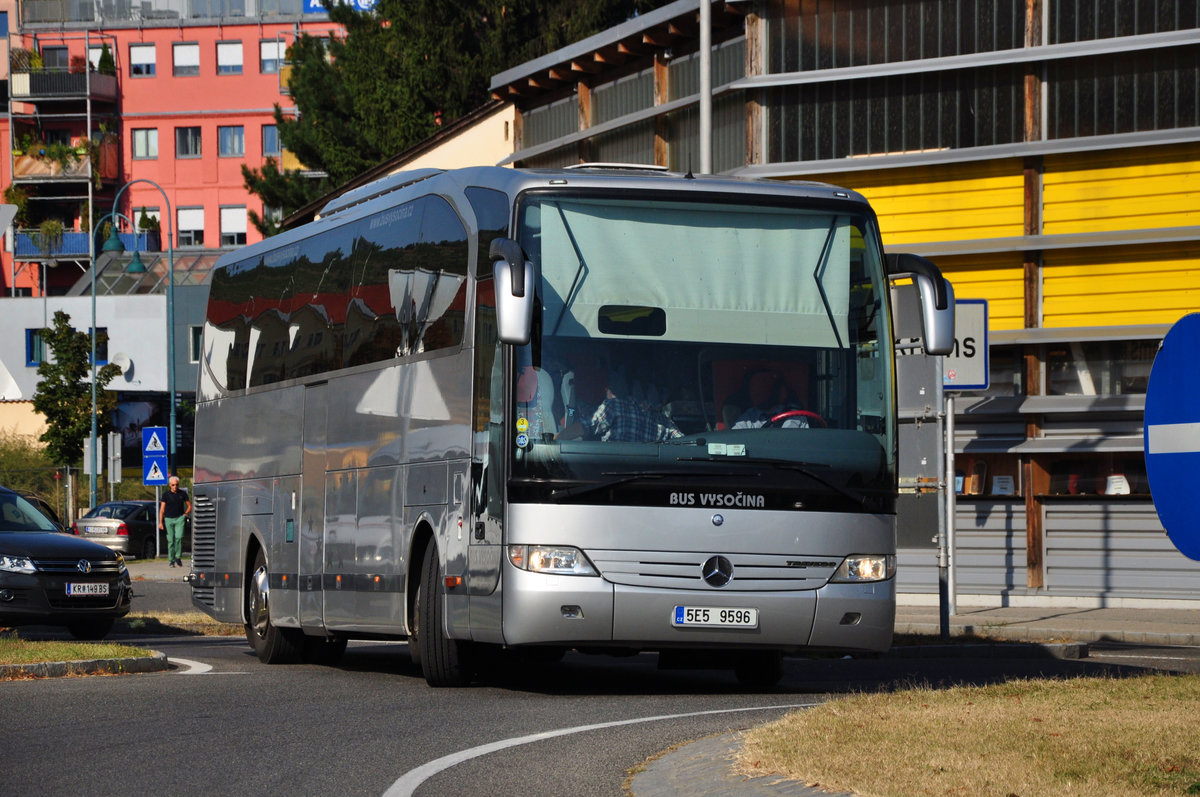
555, 560
862, 568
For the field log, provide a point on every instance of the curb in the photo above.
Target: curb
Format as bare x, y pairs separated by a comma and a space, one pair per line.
1019, 633
993, 650
155, 662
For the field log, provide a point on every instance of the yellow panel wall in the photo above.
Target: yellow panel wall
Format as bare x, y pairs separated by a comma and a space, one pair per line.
1122, 190
1120, 285
998, 278
955, 202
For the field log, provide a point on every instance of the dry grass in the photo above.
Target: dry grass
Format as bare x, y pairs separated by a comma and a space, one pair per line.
1089, 736
176, 623
14, 650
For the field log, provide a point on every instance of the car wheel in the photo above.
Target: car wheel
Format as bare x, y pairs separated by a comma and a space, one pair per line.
149, 548
444, 661
92, 629
272, 645
414, 628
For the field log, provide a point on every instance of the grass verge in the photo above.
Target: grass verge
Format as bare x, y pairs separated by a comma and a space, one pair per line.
1086, 736
14, 650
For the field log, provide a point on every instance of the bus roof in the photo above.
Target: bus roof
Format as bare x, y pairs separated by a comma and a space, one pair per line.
407, 185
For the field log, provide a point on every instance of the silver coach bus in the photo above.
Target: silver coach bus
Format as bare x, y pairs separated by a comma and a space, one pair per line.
605, 408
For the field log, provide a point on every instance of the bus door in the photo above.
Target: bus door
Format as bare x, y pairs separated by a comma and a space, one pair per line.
312, 507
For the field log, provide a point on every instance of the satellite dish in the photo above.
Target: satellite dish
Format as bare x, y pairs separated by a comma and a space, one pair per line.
122, 361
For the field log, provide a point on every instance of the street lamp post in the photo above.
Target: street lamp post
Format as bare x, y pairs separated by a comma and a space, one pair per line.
113, 244
170, 314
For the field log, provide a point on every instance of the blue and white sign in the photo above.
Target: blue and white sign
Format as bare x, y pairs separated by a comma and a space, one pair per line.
154, 456
315, 7
1172, 435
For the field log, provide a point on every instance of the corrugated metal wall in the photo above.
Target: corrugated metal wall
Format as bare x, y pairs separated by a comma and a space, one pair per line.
919, 205
1121, 285
558, 119
1093, 549
999, 278
1122, 189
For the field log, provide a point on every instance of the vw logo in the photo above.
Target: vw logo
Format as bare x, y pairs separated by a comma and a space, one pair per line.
84, 566
717, 571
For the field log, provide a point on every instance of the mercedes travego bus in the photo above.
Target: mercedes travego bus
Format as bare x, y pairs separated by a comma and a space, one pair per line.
604, 408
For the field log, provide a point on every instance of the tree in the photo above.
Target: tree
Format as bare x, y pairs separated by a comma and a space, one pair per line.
64, 393
401, 70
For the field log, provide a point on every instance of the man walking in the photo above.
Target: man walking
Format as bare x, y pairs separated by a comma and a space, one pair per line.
172, 514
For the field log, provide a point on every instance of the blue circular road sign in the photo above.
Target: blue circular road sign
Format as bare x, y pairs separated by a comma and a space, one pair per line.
1171, 435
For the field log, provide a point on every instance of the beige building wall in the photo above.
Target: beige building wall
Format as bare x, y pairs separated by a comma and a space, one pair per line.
485, 143
18, 418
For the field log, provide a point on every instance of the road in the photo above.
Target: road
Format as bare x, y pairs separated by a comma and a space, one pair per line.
222, 723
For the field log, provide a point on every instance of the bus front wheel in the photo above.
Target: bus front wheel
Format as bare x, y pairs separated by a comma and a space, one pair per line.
273, 645
444, 661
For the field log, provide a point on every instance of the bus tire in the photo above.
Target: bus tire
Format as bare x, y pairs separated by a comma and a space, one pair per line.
271, 644
444, 661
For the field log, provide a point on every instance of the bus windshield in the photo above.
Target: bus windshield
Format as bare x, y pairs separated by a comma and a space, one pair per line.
697, 352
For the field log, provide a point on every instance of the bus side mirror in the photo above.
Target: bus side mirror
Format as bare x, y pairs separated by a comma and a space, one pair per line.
937, 300
513, 276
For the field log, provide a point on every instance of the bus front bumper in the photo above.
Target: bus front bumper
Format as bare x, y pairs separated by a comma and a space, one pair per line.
578, 611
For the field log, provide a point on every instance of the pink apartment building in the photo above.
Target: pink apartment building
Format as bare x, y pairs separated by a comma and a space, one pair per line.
187, 101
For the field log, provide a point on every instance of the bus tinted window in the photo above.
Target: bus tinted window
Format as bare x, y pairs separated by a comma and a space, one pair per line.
491, 214
386, 246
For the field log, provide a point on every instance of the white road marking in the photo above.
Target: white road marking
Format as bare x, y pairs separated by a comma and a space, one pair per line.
193, 667
1173, 438
411, 780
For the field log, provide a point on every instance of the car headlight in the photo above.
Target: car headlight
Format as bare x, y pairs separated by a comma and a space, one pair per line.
861, 568
555, 560
16, 564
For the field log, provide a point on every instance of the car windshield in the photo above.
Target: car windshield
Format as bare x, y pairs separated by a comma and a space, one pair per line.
685, 343
18, 514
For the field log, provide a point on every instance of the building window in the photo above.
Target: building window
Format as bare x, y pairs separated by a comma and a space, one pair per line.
270, 56
190, 223
233, 226
187, 142
195, 337
141, 60
273, 215
145, 143
3, 23
56, 59
231, 141
270, 142
35, 348
229, 58
94, 54
186, 59
147, 213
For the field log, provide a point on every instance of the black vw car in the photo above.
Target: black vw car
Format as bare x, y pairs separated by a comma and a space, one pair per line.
51, 578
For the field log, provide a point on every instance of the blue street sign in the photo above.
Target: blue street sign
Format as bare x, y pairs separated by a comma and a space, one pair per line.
154, 456
1172, 435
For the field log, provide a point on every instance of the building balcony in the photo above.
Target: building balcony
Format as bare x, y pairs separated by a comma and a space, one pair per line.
73, 245
117, 12
68, 165
56, 85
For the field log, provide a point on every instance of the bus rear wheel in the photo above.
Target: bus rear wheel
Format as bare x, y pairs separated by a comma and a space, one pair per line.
271, 644
444, 661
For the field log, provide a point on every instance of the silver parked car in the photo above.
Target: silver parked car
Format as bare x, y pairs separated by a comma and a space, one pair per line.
127, 527
51, 578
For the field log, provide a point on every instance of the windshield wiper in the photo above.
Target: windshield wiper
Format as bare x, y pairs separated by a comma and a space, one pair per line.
803, 468
627, 477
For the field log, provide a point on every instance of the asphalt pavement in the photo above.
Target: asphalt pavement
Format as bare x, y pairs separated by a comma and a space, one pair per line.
701, 768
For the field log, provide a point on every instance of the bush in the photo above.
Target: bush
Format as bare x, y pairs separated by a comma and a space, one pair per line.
25, 467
